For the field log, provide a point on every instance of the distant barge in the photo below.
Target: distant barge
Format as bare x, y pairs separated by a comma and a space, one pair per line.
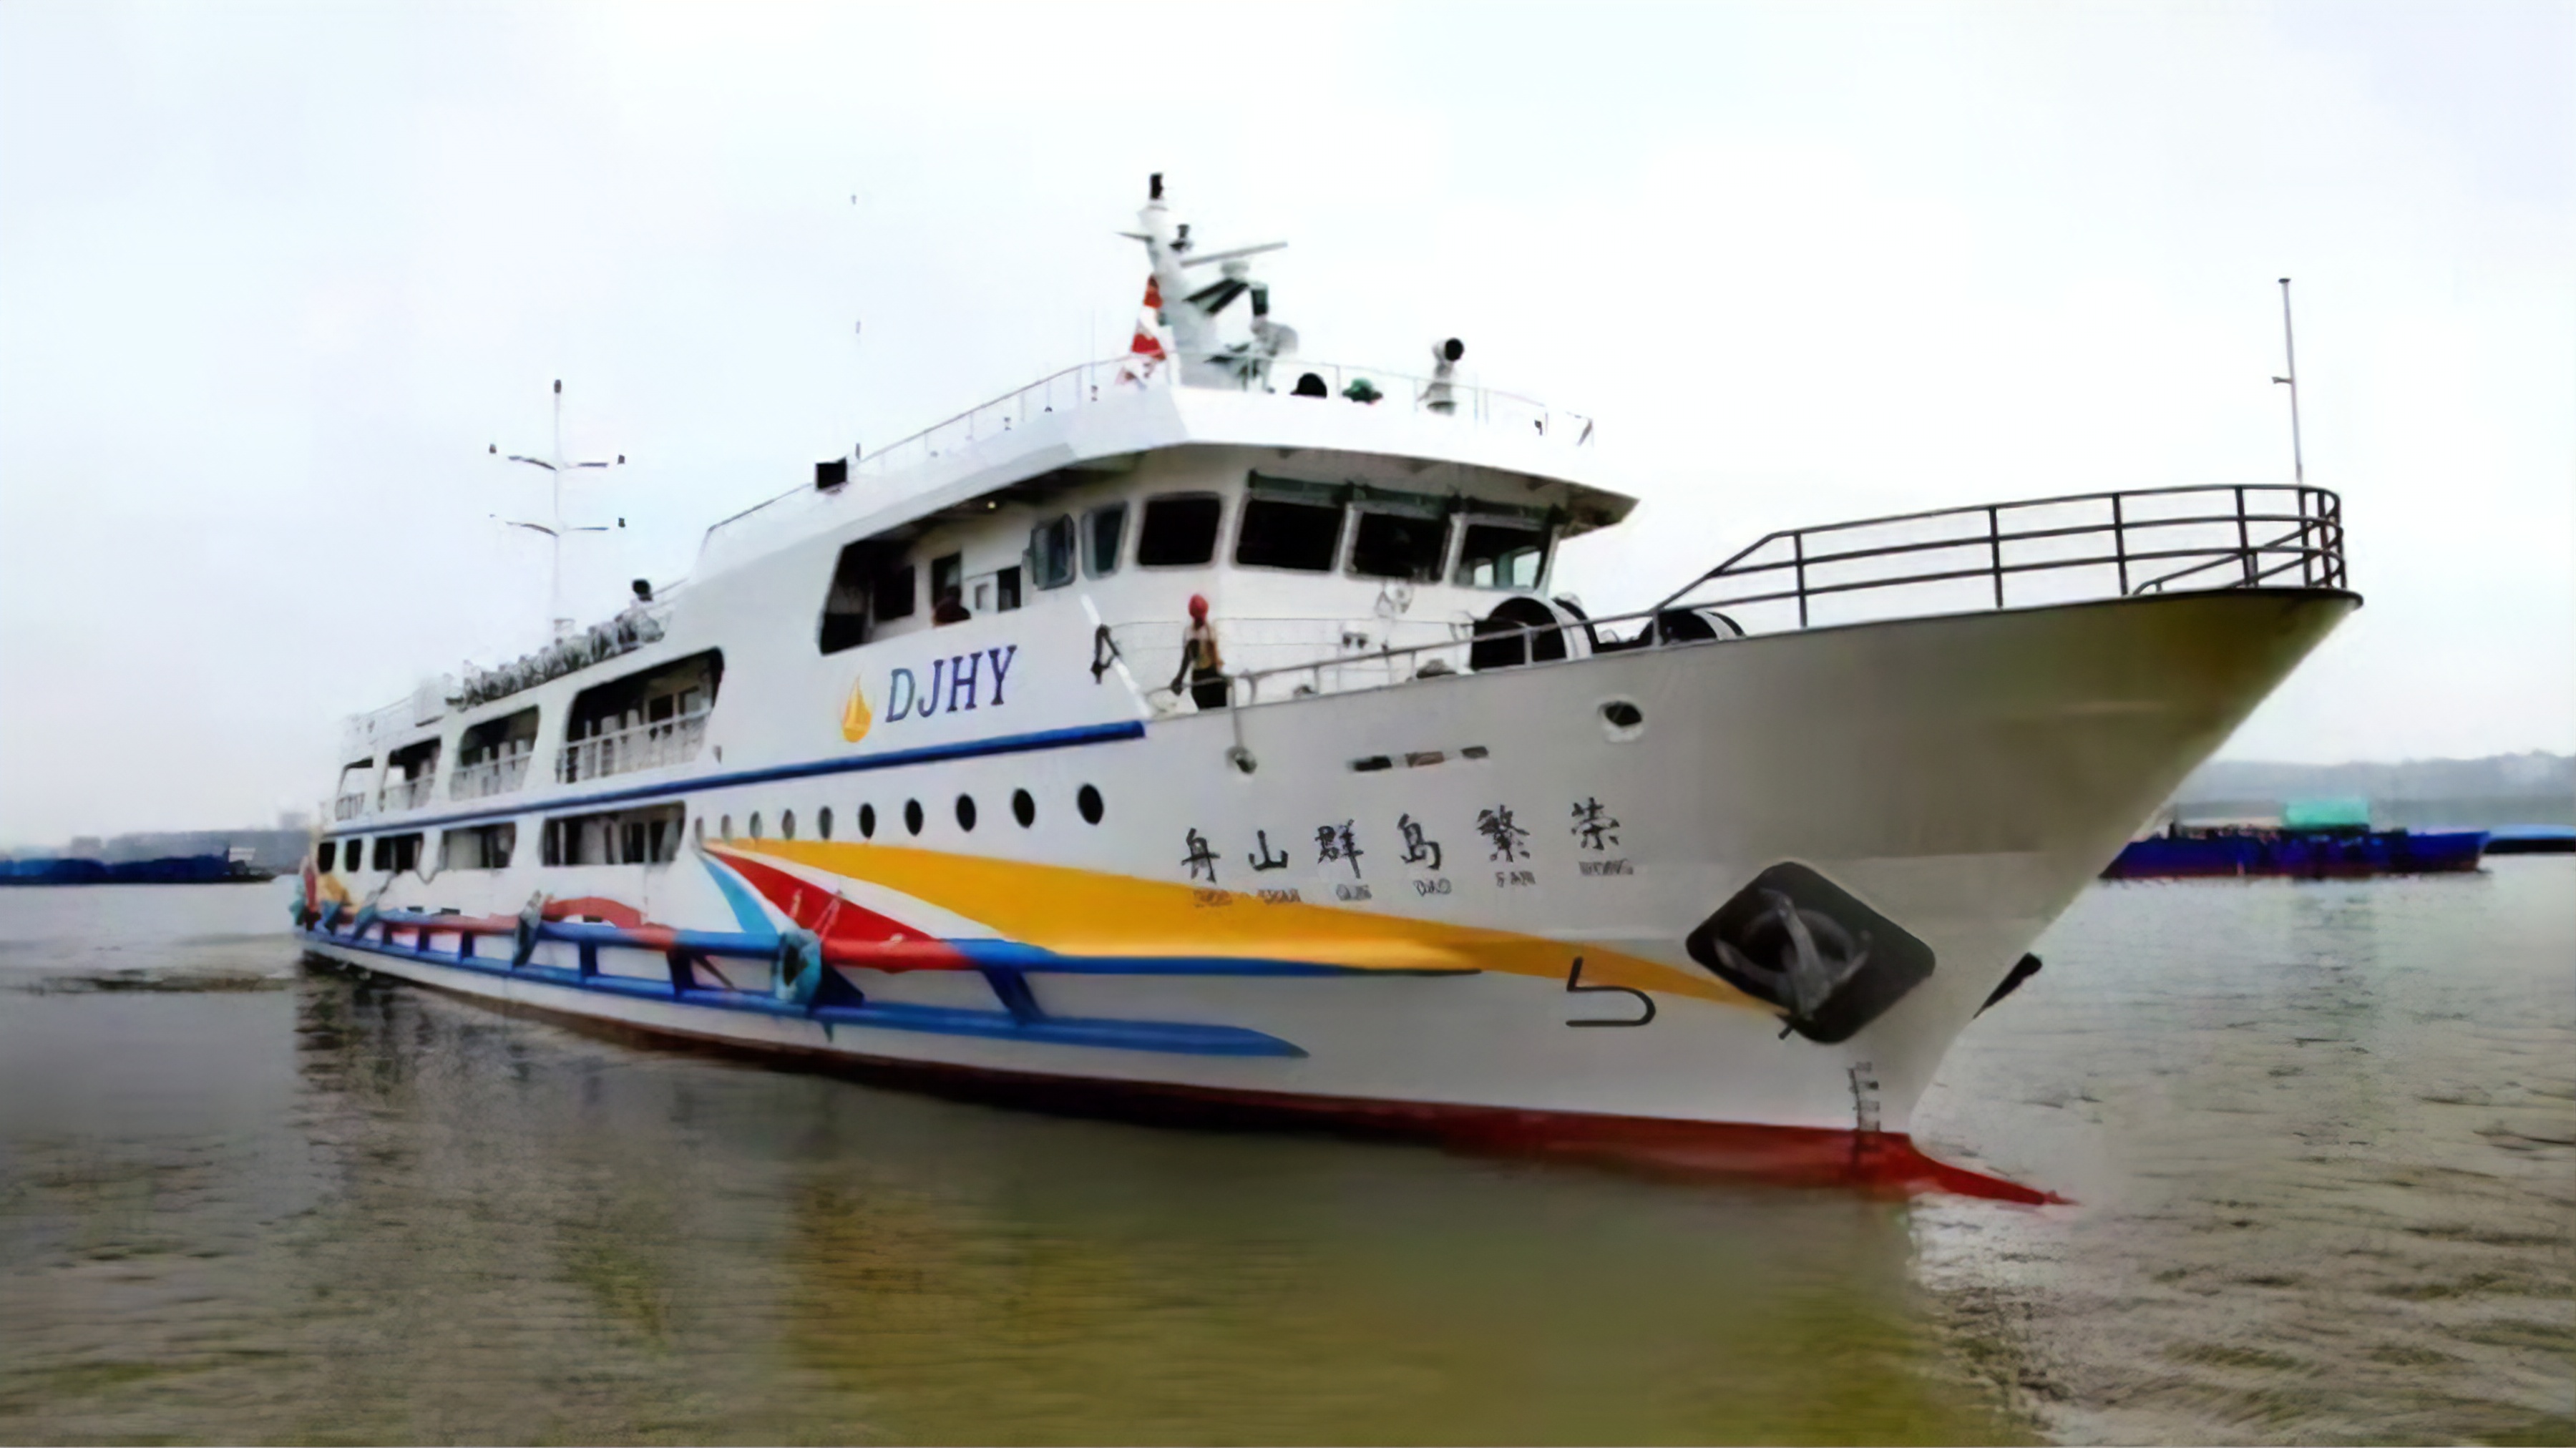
2185, 853
169, 870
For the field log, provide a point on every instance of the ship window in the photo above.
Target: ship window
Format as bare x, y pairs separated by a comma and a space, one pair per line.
867, 822
398, 852
1502, 555
755, 824
1006, 587
893, 596
823, 823
966, 812
479, 847
647, 720
351, 800
1179, 530
912, 815
326, 855
355, 859
865, 579
1088, 801
1278, 533
1024, 808
647, 836
947, 585
1103, 530
493, 756
724, 828
698, 828
1398, 545
1051, 553
787, 824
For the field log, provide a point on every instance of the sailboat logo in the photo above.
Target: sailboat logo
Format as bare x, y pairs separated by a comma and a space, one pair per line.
855, 717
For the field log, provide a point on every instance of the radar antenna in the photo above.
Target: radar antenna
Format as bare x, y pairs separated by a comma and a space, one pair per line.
1190, 307
556, 465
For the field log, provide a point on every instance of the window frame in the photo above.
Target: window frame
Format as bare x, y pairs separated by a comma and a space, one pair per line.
1037, 574
1332, 559
1449, 538
1545, 534
1117, 546
1216, 535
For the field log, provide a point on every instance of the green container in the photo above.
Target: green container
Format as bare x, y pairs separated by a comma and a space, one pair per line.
2326, 814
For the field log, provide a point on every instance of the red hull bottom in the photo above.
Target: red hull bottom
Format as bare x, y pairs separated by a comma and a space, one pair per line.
1876, 1163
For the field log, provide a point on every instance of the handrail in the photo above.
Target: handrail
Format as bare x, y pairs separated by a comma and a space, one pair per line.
1083, 384
649, 745
2312, 547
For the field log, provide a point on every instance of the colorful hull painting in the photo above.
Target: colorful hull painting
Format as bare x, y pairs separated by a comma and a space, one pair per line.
2304, 854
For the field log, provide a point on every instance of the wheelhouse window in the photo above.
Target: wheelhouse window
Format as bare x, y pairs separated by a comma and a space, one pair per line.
1498, 554
478, 847
1051, 552
326, 855
646, 720
398, 852
350, 800
493, 756
410, 773
1286, 533
647, 836
1404, 545
870, 585
1103, 531
1179, 530
948, 588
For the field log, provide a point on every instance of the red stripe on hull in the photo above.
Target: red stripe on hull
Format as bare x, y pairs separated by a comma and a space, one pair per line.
1874, 1162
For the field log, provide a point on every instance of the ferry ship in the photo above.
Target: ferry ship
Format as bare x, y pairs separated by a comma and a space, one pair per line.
930, 768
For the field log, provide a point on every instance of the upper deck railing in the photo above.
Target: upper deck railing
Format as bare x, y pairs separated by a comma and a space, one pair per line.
1954, 560
644, 746
1094, 382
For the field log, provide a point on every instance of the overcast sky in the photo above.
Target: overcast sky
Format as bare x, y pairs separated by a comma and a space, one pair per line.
272, 277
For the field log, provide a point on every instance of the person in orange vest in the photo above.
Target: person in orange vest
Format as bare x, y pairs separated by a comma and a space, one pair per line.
1201, 664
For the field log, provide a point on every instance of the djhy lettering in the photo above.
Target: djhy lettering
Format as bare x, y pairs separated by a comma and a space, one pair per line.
957, 683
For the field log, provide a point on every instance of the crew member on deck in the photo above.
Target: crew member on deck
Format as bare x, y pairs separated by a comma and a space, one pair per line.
1201, 664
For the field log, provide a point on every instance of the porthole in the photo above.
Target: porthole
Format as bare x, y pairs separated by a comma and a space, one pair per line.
1024, 808
823, 823
1622, 720
912, 815
867, 822
1088, 801
724, 828
787, 824
755, 824
966, 812
698, 829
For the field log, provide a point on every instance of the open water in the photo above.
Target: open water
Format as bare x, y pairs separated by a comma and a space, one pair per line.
2321, 1140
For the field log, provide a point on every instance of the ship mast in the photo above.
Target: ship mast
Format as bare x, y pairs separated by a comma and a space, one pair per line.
556, 465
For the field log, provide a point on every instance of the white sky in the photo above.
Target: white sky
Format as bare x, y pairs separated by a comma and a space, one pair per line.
272, 276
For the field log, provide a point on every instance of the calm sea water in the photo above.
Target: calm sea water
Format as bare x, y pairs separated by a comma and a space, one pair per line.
2321, 1137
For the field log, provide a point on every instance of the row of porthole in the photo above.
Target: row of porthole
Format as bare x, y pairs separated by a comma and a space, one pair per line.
1024, 808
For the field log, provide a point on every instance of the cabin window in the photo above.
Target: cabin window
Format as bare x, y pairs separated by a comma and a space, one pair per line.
646, 720
870, 586
1179, 530
354, 858
1398, 545
350, 800
1006, 588
1502, 555
1051, 553
947, 585
756, 832
1103, 530
493, 756
894, 594
787, 824
1280, 533
647, 836
823, 823
480, 847
410, 772
398, 852
326, 855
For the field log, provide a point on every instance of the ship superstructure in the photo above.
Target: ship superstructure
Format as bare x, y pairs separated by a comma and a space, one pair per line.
918, 769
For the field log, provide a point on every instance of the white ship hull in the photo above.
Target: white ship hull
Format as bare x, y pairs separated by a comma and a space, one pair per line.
1960, 776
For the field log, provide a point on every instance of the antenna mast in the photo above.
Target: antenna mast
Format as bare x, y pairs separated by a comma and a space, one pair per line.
556, 465
2290, 348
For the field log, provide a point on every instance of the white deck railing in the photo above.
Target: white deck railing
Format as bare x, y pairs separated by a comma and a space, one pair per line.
406, 793
490, 777
348, 806
1468, 404
646, 746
